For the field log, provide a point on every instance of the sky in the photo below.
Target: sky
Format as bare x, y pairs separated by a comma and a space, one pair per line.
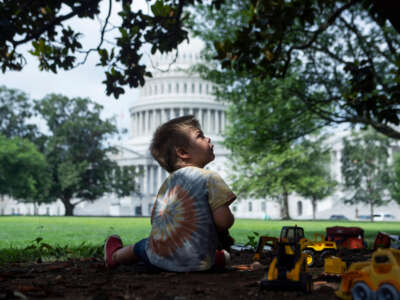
83, 81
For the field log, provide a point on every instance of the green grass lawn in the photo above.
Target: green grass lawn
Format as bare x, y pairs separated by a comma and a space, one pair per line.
19, 232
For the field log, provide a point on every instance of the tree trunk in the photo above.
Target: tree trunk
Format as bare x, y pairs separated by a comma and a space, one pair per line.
314, 207
69, 207
371, 210
285, 206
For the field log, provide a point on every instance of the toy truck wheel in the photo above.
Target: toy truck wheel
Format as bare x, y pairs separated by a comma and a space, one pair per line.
310, 258
388, 292
361, 291
325, 254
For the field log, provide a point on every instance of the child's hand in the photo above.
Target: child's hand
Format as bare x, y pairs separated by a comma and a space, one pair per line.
225, 241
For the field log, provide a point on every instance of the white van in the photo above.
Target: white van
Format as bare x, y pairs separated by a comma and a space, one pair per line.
384, 217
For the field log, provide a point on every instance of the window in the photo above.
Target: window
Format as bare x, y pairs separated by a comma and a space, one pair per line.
185, 88
200, 88
207, 88
250, 206
155, 90
138, 211
150, 208
169, 88
48, 211
234, 208
162, 88
177, 87
299, 208
193, 88
263, 206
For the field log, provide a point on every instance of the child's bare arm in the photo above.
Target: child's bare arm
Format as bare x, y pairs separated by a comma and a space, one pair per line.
223, 218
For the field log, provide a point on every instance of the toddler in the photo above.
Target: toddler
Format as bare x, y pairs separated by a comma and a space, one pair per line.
191, 208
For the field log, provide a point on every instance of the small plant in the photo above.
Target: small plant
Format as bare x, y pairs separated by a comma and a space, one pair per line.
252, 240
39, 251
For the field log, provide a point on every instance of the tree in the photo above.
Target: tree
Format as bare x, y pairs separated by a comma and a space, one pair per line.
58, 46
276, 174
78, 154
23, 171
317, 183
365, 168
343, 52
15, 112
395, 186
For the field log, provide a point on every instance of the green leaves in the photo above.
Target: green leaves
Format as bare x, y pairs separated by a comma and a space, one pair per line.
78, 152
23, 170
365, 168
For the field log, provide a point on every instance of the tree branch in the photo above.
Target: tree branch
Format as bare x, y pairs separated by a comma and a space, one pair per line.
103, 30
57, 21
324, 26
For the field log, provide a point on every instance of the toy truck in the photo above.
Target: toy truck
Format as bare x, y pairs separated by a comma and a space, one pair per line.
386, 240
316, 251
351, 238
288, 269
375, 279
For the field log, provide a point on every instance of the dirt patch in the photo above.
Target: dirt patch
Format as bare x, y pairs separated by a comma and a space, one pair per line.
88, 279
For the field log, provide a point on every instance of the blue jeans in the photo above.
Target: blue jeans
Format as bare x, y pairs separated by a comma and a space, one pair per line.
140, 252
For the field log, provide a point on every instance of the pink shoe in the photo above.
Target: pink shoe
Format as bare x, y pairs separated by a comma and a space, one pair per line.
112, 244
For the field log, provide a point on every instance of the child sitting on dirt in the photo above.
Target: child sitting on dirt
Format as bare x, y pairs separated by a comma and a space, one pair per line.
191, 208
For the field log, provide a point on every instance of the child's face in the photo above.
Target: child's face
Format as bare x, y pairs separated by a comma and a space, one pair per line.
200, 149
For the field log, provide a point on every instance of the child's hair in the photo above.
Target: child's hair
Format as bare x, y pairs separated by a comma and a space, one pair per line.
168, 137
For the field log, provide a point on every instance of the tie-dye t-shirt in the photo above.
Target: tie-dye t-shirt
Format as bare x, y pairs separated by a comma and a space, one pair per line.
183, 236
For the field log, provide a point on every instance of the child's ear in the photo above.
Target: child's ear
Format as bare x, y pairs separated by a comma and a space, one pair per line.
182, 153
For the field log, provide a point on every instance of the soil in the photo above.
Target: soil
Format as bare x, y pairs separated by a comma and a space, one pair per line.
89, 279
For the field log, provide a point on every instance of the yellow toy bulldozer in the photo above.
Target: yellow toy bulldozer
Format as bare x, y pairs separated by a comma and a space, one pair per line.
316, 251
375, 279
288, 269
